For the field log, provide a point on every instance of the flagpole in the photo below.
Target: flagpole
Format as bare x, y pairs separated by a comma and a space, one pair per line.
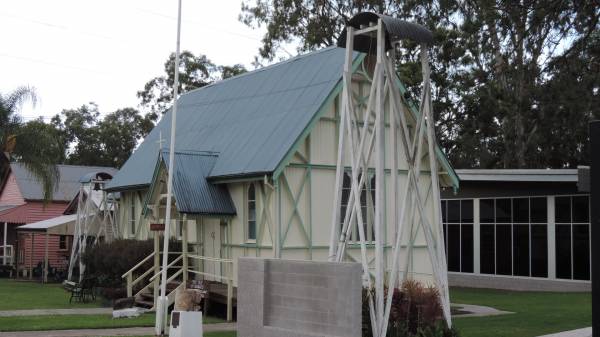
162, 304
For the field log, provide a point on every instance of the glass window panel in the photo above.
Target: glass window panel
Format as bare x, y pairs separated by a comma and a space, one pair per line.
521, 210
539, 210
444, 217
521, 250
454, 211
581, 252
581, 209
454, 247
252, 230
445, 226
466, 248
251, 193
466, 211
487, 262
563, 251
539, 251
562, 209
503, 210
486, 210
503, 250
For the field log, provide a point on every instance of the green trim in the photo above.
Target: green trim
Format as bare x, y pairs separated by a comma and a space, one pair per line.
324, 106
238, 180
295, 211
152, 185
332, 167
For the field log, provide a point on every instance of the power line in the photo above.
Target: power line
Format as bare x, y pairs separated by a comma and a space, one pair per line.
61, 27
55, 64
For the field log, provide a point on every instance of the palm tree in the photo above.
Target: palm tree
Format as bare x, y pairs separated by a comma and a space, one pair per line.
20, 142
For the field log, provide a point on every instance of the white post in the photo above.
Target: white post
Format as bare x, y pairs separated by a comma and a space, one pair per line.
4, 248
46, 258
476, 237
379, 180
339, 174
161, 309
184, 248
551, 238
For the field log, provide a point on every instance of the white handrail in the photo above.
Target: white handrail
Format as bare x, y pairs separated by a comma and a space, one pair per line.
208, 258
168, 266
138, 265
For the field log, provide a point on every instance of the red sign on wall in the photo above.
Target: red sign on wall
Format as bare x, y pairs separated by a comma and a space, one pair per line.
157, 226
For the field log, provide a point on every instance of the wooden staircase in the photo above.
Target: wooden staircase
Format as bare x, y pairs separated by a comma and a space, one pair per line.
145, 299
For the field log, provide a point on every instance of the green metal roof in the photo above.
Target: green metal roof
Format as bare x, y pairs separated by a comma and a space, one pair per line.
193, 193
253, 121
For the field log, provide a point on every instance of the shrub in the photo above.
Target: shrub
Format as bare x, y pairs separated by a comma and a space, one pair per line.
415, 312
107, 262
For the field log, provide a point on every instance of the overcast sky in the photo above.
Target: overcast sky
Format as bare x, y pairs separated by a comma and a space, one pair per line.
74, 52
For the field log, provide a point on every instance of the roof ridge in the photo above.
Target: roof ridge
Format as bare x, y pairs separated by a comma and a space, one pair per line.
193, 152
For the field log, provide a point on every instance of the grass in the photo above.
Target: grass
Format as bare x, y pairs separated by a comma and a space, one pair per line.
30, 323
535, 313
210, 334
17, 295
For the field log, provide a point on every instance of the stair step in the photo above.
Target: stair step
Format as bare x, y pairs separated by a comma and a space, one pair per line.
147, 296
144, 304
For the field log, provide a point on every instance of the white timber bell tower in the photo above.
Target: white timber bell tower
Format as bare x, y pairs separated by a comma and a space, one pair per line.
386, 136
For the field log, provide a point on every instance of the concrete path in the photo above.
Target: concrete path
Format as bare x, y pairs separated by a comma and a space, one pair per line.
108, 332
586, 332
478, 310
55, 312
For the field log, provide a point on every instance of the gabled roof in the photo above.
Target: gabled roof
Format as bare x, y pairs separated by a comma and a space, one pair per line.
251, 120
193, 193
528, 175
68, 185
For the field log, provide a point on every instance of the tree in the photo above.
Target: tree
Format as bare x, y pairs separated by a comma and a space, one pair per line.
194, 72
492, 64
29, 143
100, 142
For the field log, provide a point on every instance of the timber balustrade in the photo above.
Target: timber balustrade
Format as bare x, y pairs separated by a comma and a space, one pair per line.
225, 266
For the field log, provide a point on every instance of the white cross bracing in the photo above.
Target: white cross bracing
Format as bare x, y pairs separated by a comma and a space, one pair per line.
409, 203
92, 219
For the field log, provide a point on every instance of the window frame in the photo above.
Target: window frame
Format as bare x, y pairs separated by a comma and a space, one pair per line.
132, 216
248, 212
62, 239
571, 225
369, 191
460, 223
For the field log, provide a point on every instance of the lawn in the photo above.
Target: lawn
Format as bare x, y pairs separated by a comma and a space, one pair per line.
34, 295
29, 323
535, 313
211, 334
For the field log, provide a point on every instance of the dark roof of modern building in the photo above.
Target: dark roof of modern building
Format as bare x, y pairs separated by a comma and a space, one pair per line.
525, 175
251, 120
193, 193
68, 184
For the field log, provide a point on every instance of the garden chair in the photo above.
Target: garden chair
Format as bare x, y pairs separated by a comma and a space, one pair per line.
83, 290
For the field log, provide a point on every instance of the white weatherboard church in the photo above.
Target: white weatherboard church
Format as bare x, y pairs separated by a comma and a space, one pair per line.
255, 168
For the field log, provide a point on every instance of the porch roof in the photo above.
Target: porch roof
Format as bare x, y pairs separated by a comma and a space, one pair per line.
193, 193
63, 224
